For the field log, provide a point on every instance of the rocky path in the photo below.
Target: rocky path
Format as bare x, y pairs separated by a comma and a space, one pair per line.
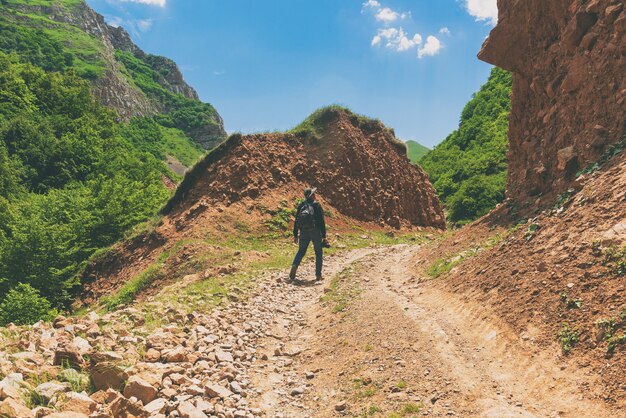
373, 340
406, 348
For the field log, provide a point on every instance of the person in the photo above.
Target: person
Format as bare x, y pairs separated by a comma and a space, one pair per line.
309, 226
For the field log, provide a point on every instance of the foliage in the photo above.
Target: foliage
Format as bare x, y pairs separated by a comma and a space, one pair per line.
71, 181
315, 124
445, 264
568, 337
23, 305
615, 260
468, 169
611, 151
569, 302
183, 113
416, 151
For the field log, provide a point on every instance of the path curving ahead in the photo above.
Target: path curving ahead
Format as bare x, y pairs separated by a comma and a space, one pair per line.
402, 347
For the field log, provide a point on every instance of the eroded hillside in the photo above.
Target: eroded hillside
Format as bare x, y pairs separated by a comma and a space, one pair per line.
252, 182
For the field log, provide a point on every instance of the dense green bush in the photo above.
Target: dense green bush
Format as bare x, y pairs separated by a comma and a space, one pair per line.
24, 306
468, 169
72, 179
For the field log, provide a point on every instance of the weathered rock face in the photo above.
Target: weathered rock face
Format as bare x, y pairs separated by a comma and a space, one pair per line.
359, 166
568, 58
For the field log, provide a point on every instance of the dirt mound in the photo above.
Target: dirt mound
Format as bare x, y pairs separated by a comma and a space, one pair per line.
569, 91
357, 164
247, 188
559, 279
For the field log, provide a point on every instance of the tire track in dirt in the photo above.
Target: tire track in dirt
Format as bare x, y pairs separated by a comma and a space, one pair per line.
400, 347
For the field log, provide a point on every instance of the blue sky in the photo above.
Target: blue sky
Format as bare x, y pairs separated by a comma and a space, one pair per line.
266, 64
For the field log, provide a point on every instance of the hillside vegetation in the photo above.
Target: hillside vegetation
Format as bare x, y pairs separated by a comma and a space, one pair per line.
73, 179
416, 151
75, 176
468, 169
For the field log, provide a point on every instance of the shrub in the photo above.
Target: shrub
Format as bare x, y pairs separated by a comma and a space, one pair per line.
23, 305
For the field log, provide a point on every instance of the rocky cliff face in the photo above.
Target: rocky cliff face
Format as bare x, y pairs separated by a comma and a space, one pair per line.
568, 58
359, 166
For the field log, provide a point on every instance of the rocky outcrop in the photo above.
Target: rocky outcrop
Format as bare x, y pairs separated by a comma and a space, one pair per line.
359, 166
568, 58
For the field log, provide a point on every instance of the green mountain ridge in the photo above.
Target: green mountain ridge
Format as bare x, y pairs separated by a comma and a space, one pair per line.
416, 151
67, 35
90, 127
468, 169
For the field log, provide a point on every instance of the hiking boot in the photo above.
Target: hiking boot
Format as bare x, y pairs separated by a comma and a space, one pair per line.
292, 273
319, 278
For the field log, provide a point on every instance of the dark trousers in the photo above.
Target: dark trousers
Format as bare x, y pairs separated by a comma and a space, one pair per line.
303, 244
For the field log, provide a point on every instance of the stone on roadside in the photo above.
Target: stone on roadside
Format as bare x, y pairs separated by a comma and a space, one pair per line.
77, 402
49, 389
140, 389
10, 408
187, 410
340, 406
177, 355
107, 375
217, 391
157, 406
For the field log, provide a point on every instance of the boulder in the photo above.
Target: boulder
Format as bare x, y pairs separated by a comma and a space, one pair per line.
223, 356
68, 355
176, 355
107, 375
140, 389
217, 391
67, 414
10, 386
49, 389
10, 408
77, 402
125, 408
157, 406
188, 410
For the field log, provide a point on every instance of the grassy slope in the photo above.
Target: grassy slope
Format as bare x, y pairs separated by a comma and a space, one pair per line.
415, 151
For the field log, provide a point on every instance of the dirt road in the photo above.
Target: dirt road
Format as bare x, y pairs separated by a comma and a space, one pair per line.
375, 340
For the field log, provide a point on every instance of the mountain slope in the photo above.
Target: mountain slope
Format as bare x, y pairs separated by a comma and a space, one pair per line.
92, 133
415, 151
468, 169
64, 35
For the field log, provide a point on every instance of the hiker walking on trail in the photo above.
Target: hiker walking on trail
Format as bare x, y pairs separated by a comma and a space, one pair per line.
309, 227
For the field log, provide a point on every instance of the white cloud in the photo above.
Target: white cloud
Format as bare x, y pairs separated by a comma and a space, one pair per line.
372, 3
483, 10
444, 31
430, 48
387, 15
160, 3
396, 39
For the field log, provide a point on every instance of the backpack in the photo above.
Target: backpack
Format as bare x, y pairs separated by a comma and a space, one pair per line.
306, 217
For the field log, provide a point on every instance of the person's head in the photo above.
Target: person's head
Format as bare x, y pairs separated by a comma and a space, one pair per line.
309, 194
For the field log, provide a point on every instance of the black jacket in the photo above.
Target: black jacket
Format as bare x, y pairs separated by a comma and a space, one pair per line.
318, 214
